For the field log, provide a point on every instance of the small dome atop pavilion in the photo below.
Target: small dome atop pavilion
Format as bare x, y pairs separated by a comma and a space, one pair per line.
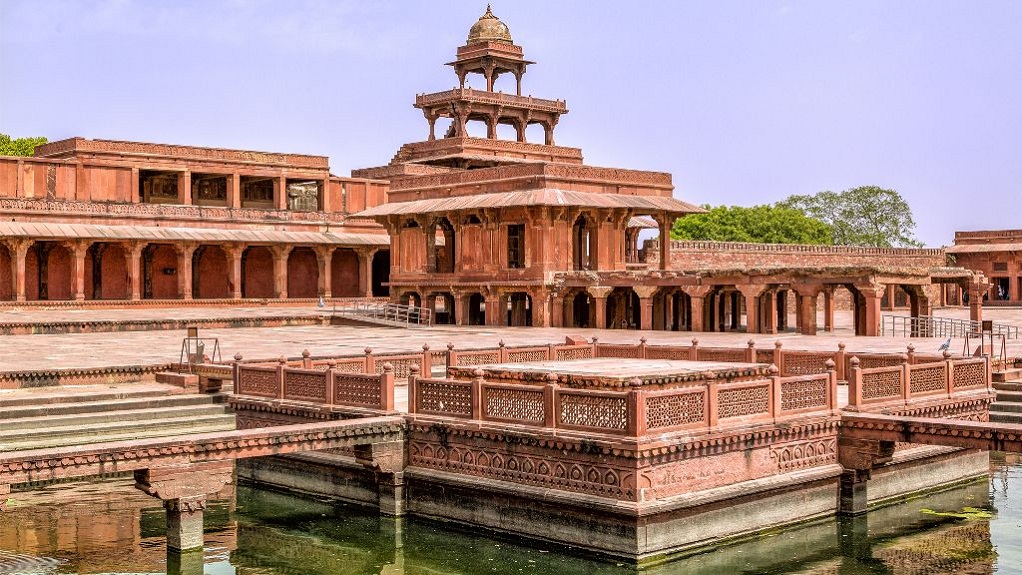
489, 28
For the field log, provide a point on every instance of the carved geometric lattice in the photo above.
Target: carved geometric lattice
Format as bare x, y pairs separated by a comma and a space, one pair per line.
514, 404
796, 363
352, 366
258, 381
478, 358
745, 401
308, 386
723, 355
594, 411
805, 454
765, 356
973, 374
357, 390
402, 365
664, 352
871, 361
445, 398
675, 409
626, 351
524, 355
583, 352
804, 394
881, 384
925, 379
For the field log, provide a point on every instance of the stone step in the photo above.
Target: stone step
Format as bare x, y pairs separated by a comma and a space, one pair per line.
115, 431
70, 395
1010, 374
84, 420
1001, 417
8, 414
1008, 386
1012, 396
1006, 407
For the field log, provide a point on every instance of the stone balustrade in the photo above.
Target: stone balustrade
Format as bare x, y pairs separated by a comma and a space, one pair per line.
328, 386
897, 386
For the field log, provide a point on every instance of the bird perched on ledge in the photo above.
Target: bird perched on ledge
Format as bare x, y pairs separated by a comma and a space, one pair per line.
946, 345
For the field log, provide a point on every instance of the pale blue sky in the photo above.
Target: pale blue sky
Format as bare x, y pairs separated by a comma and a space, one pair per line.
744, 102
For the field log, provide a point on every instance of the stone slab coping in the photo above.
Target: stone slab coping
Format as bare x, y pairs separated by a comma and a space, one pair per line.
98, 392
614, 371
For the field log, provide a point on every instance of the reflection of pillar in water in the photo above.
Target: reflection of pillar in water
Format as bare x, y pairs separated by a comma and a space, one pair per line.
396, 526
185, 562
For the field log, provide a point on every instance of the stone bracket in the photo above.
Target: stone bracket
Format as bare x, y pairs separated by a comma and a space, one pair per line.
863, 454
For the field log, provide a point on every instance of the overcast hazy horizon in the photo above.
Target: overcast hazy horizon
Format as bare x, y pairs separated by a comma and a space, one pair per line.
743, 102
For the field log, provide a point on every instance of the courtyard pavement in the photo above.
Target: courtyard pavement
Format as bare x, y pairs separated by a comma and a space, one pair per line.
41, 351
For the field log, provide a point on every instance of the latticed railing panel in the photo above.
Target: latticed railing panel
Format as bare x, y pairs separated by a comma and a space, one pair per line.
258, 381
667, 352
970, 374
580, 352
526, 355
595, 411
723, 355
444, 397
881, 384
624, 351
469, 358
515, 404
306, 385
675, 410
929, 378
358, 391
796, 363
743, 401
402, 364
804, 393
765, 356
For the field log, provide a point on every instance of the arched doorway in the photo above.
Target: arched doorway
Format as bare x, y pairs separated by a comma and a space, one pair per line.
583, 243
671, 309
580, 309
519, 309
476, 310
443, 308
257, 272
302, 273
623, 311
208, 278
411, 299
444, 246
381, 273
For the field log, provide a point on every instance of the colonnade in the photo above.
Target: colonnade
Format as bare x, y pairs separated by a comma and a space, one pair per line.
82, 269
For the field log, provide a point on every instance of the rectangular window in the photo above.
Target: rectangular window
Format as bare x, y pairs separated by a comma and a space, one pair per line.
516, 246
1000, 266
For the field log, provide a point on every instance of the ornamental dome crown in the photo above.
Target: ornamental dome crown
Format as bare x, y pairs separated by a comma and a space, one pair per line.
489, 28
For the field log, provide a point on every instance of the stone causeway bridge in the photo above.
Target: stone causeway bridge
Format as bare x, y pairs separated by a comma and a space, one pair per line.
627, 432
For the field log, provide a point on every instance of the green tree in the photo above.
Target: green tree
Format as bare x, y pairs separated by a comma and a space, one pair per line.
863, 216
758, 224
19, 146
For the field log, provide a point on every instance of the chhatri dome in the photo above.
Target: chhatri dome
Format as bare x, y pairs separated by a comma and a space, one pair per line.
489, 28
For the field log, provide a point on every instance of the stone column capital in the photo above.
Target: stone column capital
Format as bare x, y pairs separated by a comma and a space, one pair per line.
599, 292
645, 292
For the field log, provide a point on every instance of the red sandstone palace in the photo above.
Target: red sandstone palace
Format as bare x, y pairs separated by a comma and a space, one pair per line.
482, 230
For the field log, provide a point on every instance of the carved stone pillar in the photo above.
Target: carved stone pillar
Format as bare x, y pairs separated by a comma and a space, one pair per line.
977, 288
871, 294
133, 253
184, 270
697, 294
234, 191
769, 313
234, 253
645, 294
494, 311
79, 251
557, 309
600, 294
828, 308
807, 296
184, 188
365, 271
280, 256
280, 193
752, 294
184, 491
540, 308
324, 257
19, 252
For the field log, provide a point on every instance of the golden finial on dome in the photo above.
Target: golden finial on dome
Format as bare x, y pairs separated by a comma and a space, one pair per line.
489, 28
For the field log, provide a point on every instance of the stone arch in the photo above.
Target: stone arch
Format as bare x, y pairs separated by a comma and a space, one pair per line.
302, 273
442, 304
519, 309
257, 272
623, 309
672, 309
444, 258
410, 298
475, 309
584, 252
208, 278
381, 274
159, 270
579, 309
344, 273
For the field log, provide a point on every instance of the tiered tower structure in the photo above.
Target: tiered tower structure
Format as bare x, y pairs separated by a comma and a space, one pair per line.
510, 232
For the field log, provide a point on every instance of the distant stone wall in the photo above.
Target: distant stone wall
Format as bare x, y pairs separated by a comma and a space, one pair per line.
699, 255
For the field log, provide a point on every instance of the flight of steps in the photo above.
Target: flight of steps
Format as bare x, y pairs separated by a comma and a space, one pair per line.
30, 422
1007, 406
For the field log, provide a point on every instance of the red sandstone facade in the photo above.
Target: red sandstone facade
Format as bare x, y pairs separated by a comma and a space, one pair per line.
998, 255
127, 221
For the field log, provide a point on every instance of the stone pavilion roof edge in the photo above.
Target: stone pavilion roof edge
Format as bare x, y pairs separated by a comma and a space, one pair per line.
56, 231
542, 197
984, 248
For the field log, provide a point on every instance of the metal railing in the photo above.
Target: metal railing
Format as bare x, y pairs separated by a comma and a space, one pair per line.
388, 313
929, 326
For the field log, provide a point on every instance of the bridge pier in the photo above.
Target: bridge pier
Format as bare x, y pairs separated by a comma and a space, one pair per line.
387, 460
859, 457
184, 490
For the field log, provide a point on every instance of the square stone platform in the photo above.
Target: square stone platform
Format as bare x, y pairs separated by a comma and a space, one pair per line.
613, 372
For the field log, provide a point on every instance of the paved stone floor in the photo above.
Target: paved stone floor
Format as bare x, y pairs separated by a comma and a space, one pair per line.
31, 352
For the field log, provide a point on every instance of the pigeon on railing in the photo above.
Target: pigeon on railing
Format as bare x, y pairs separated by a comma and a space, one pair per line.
321, 304
946, 345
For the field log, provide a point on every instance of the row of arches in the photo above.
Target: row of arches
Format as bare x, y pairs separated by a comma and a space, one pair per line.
117, 271
513, 309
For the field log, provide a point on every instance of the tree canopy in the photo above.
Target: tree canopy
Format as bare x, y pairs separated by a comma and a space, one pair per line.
863, 216
758, 224
19, 146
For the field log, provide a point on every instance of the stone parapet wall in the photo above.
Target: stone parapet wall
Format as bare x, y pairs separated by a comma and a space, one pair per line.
700, 255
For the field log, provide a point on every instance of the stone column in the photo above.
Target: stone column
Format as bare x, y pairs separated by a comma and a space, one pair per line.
769, 301
665, 221
494, 311
556, 309
234, 253
280, 193
184, 490
697, 294
751, 294
280, 255
828, 308
600, 294
234, 191
324, 256
133, 252
19, 251
184, 188
891, 291
79, 250
806, 311
645, 294
365, 271
977, 289
540, 308
184, 270
871, 294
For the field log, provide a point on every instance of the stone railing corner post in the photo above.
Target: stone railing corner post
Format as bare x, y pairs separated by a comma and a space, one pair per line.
306, 359
596, 347
477, 394
413, 388
387, 387
427, 360
779, 357
642, 347
832, 385
452, 356
854, 385
236, 372
370, 361
550, 401
501, 352
906, 379
636, 409
712, 414
750, 352
281, 368
693, 352
776, 401
950, 383
331, 382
